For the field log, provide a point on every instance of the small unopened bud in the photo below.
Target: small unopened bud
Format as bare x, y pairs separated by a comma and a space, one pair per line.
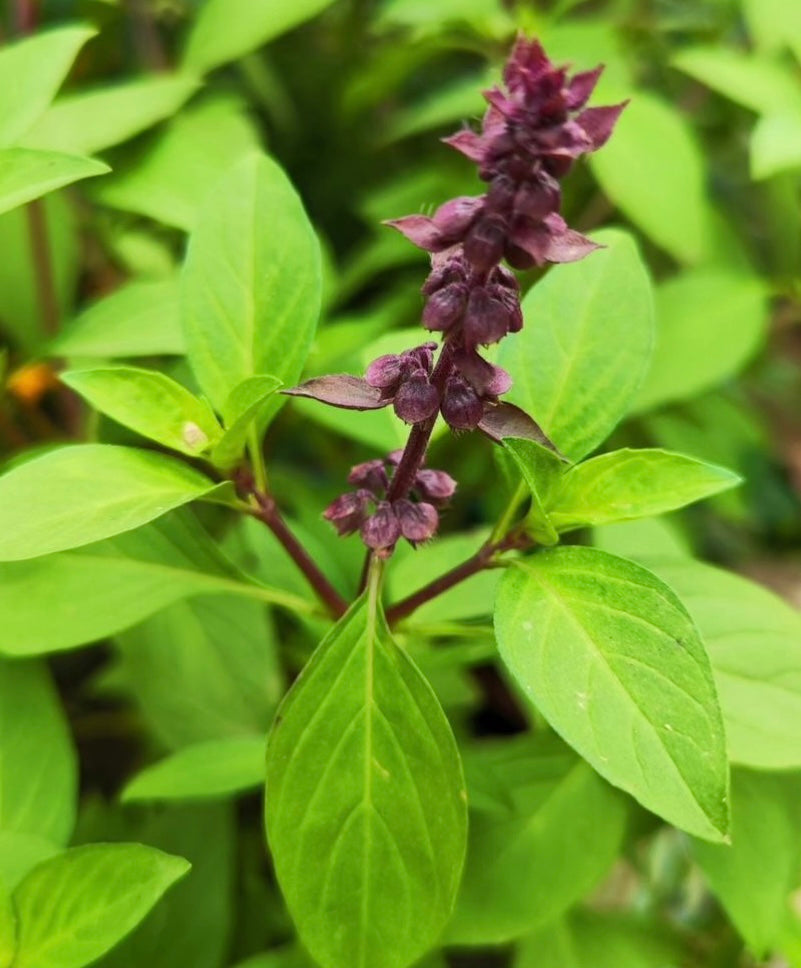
381, 530
371, 475
386, 372
486, 320
435, 486
418, 522
462, 408
485, 242
417, 399
444, 308
348, 512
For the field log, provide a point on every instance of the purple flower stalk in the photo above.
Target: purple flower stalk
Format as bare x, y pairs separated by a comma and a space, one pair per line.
532, 133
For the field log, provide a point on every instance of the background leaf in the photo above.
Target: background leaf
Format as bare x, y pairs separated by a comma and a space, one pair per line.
611, 658
564, 374
26, 175
365, 806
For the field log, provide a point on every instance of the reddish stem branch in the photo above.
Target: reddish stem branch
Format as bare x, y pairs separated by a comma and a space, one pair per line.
484, 558
43, 265
268, 513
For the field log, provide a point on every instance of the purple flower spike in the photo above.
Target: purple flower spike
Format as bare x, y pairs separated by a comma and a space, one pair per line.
462, 408
348, 512
418, 522
417, 399
381, 530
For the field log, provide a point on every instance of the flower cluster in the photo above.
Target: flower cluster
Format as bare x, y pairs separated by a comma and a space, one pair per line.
382, 522
531, 134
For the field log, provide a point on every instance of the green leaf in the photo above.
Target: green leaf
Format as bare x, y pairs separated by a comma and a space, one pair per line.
710, 322
677, 217
25, 174
243, 406
773, 24
20, 853
76, 906
31, 71
139, 319
630, 483
150, 403
44, 502
756, 875
213, 769
776, 144
38, 769
541, 470
754, 644
564, 373
365, 806
64, 600
169, 180
224, 30
644, 538
610, 657
223, 651
754, 82
8, 928
590, 940
252, 282
544, 830
95, 120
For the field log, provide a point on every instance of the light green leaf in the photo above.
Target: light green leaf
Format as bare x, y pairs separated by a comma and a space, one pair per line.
38, 769
754, 82
710, 322
241, 409
544, 829
169, 180
611, 658
365, 805
449, 104
223, 651
541, 470
630, 483
776, 144
252, 282
590, 940
754, 644
224, 30
755, 876
8, 928
645, 538
68, 599
139, 319
564, 374
774, 24
25, 174
95, 120
677, 216
76, 906
20, 853
212, 769
151, 403
78, 494
31, 71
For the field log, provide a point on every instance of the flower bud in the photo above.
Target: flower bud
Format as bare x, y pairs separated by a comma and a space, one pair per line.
462, 409
421, 357
381, 530
386, 372
417, 399
444, 308
485, 241
371, 475
486, 320
348, 512
487, 380
434, 486
418, 522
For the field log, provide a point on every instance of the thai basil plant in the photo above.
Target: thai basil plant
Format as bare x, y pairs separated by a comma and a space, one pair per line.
347, 637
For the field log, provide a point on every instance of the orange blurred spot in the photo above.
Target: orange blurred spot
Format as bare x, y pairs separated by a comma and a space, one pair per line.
31, 382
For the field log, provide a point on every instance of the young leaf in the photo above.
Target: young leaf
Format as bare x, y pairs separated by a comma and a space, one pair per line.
224, 30
544, 829
756, 875
94, 120
224, 653
754, 644
150, 403
613, 661
25, 174
139, 319
710, 322
563, 371
31, 71
629, 483
677, 217
213, 769
365, 803
776, 144
20, 853
43, 502
68, 599
38, 770
242, 408
74, 907
541, 470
